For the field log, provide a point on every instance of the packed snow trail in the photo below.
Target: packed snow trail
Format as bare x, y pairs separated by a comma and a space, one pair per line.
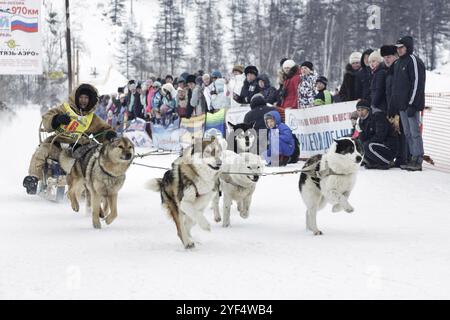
395, 245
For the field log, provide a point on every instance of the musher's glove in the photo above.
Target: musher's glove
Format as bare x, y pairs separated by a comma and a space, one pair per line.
60, 119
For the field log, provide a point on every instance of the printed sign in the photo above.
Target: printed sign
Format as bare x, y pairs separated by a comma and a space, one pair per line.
317, 127
20, 37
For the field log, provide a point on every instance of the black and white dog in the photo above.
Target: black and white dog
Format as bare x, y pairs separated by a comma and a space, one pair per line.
330, 178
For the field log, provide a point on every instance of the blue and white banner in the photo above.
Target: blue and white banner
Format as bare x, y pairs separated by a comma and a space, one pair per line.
20, 37
318, 126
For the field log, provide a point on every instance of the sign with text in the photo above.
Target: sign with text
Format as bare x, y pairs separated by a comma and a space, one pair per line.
20, 37
317, 127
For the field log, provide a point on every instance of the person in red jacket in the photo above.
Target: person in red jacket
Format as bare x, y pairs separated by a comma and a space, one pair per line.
290, 87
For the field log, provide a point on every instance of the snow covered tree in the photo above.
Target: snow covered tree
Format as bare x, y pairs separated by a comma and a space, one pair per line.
117, 11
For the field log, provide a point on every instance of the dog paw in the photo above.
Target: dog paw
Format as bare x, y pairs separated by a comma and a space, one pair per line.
337, 208
75, 208
97, 225
217, 219
244, 215
226, 224
189, 246
349, 209
318, 233
109, 219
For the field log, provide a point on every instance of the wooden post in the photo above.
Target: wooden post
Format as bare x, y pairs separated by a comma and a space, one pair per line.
68, 48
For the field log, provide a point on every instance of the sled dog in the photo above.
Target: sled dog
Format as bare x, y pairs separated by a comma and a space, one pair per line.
187, 189
330, 178
101, 172
237, 187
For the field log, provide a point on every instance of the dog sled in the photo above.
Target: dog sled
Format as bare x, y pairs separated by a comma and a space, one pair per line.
53, 185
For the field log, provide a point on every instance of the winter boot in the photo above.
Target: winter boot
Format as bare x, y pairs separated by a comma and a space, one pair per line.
414, 165
31, 183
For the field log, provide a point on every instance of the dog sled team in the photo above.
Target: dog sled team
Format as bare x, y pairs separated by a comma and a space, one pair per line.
96, 160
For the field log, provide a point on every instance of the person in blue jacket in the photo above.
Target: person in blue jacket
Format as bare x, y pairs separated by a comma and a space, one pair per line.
281, 143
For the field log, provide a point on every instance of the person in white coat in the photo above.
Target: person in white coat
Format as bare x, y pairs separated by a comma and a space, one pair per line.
235, 84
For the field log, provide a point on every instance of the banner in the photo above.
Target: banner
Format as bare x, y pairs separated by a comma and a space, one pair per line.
137, 134
166, 137
191, 128
317, 127
215, 123
20, 37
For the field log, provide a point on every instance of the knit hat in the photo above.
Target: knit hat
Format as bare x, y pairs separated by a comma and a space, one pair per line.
206, 77
216, 74
355, 57
375, 56
308, 64
282, 61
388, 50
156, 84
323, 80
252, 70
289, 64
238, 68
363, 104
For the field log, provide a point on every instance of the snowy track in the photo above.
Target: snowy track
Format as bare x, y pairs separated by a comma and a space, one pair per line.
395, 245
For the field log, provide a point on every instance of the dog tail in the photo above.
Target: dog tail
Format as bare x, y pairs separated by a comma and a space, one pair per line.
154, 185
66, 161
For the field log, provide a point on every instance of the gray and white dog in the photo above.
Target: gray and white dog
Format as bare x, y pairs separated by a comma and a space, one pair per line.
330, 178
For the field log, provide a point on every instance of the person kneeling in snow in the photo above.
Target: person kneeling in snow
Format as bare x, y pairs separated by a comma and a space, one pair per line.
70, 121
377, 136
281, 147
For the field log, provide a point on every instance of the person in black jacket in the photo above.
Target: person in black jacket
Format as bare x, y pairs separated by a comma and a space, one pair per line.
347, 91
377, 136
390, 56
363, 77
259, 108
408, 93
377, 83
270, 93
250, 87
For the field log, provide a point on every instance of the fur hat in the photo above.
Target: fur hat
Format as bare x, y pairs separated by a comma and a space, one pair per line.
156, 84
289, 64
375, 56
363, 104
355, 57
190, 78
238, 68
168, 88
388, 50
252, 70
308, 64
257, 101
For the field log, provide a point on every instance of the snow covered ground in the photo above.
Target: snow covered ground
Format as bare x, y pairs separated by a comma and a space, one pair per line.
396, 244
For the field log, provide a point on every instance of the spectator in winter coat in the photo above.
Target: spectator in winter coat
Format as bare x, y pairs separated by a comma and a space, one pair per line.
390, 56
289, 93
281, 143
377, 136
323, 96
182, 102
250, 87
377, 83
306, 89
347, 91
219, 99
270, 93
168, 79
408, 93
101, 110
164, 104
153, 87
198, 100
281, 77
235, 84
363, 77
190, 81
259, 108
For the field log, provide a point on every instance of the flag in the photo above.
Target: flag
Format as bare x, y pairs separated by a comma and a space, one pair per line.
24, 24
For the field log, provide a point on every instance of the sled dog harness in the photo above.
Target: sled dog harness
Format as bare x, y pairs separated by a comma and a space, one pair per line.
77, 126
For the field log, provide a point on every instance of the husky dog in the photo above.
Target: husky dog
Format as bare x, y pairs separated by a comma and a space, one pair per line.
188, 187
245, 138
101, 172
235, 186
330, 178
